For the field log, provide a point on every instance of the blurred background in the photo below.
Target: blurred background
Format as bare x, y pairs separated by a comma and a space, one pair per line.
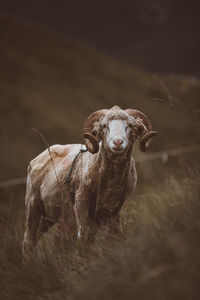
62, 60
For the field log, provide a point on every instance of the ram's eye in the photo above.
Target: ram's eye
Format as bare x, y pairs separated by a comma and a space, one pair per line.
104, 126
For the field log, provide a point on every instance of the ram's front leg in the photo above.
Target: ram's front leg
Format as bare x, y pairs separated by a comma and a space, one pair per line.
115, 226
81, 209
66, 229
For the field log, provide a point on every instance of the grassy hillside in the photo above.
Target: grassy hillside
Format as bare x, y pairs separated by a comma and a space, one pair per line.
52, 84
157, 258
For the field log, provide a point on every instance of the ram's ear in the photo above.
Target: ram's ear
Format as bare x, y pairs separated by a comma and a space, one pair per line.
144, 127
91, 130
91, 143
139, 127
145, 136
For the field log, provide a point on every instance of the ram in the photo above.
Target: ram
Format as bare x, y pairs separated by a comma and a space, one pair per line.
83, 187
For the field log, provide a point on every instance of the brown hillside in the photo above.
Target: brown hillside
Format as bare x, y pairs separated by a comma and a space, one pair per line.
52, 84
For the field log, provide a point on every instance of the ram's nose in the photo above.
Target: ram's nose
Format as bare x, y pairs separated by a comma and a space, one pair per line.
118, 142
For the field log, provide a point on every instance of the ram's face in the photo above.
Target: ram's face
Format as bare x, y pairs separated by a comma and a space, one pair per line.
117, 129
118, 134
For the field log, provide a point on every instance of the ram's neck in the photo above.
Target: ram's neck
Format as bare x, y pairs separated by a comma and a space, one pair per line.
116, 181
101, 167
114, 168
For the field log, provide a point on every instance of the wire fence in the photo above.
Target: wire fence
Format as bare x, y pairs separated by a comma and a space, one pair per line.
162, 155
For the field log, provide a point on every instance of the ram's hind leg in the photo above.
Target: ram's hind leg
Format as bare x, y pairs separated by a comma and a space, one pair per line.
33, 216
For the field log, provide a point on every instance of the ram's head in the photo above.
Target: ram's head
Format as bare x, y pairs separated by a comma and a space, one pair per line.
117, 129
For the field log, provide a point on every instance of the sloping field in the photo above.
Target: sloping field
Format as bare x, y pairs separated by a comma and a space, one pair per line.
158, 258
52, 84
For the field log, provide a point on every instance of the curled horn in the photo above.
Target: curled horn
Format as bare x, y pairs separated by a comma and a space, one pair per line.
90, 132
145, 128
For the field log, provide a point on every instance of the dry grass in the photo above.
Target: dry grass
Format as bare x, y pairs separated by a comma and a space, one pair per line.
53, 85
158, 257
